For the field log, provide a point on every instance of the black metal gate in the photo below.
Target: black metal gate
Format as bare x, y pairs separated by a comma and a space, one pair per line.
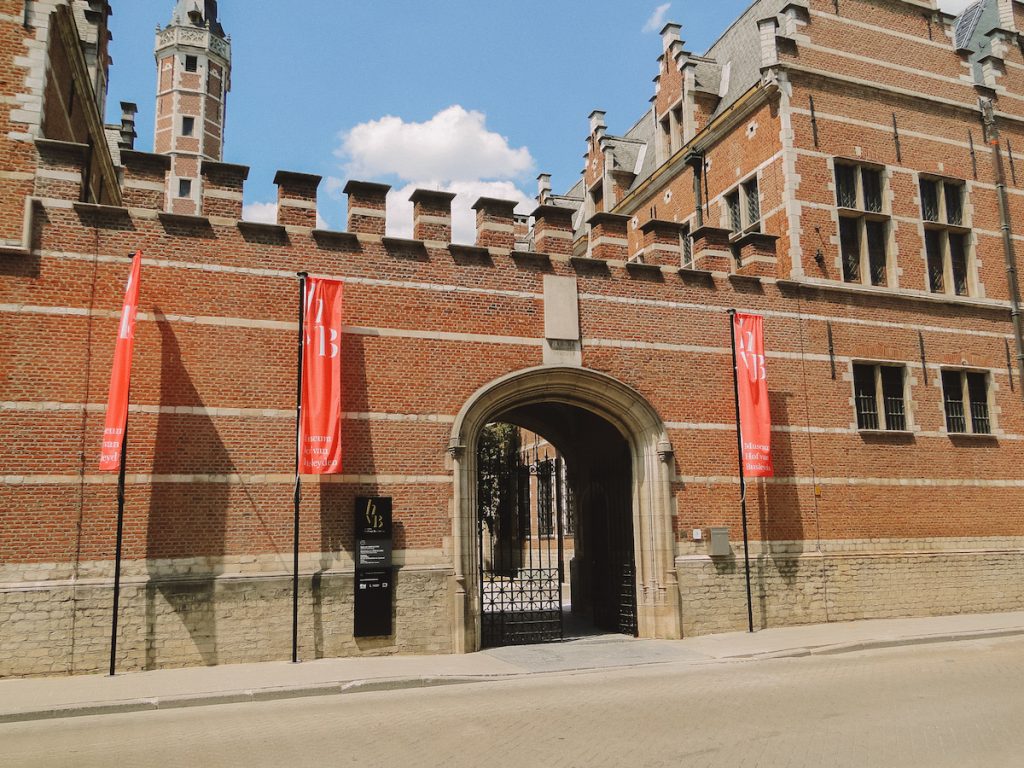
609, 537
520, 521
524, 507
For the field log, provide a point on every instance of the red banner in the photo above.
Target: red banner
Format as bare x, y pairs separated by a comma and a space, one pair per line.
121, 375
752, 389
320, 422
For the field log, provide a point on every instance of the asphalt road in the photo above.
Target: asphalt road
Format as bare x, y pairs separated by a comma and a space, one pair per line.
957, 704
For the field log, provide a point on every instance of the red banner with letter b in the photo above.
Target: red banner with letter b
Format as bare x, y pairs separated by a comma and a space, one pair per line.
320, 420
752, 390
121, 374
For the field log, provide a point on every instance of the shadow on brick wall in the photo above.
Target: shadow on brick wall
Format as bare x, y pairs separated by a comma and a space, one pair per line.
186, 520
335, 536
781, 507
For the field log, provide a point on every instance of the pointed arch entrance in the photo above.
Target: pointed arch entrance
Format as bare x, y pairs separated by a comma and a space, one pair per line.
558, 402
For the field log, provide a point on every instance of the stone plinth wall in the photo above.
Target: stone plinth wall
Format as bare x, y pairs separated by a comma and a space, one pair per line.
52, 629
792, 587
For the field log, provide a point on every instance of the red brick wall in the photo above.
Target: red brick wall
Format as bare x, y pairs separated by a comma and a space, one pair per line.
424, 333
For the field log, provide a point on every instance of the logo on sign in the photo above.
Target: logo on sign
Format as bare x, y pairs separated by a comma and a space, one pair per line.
752, 361
374, 519
326, 338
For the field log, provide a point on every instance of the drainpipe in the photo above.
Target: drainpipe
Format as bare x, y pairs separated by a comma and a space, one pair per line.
696, 162
992, 135
27, 19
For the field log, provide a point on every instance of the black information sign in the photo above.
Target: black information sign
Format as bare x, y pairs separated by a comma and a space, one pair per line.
374, 581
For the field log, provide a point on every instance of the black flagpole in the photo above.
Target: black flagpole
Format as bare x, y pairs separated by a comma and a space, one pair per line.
298, 486
117, 551
743, 482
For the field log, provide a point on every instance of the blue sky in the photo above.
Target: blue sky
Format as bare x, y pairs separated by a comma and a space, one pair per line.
473, 96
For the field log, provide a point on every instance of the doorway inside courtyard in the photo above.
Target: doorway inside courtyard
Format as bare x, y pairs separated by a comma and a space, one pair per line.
554, 527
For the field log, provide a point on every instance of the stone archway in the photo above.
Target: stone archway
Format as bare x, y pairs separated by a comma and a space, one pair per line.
657, 591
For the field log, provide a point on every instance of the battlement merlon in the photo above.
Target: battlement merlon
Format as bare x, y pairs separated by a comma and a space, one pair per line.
296, 198
367, 207
432, 215
495, 223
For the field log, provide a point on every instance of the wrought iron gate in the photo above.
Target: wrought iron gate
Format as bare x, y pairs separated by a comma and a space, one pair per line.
520, 520
609, 537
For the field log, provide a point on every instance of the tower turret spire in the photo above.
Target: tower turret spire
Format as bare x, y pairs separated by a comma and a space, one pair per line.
198, 13
193, 58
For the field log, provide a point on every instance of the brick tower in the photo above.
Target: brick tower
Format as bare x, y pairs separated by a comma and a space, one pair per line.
193, 57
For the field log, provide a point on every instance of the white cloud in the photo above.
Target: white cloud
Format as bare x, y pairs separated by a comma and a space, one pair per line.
333, 187
657, 19
956, 7
266, 213
453, 144
453, 151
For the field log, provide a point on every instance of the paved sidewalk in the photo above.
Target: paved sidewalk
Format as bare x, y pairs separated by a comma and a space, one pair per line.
43, 698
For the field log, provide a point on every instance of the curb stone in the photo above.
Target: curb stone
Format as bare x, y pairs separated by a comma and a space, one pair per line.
145, 704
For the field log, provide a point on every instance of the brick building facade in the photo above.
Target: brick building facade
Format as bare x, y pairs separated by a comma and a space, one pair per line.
824, 164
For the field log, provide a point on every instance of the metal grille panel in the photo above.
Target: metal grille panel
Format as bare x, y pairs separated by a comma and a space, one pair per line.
521, 574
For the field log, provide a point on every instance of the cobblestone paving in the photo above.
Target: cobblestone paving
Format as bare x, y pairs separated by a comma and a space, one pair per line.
958, 704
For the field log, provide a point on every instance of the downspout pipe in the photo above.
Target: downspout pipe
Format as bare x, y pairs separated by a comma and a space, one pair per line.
992, 136
696, 162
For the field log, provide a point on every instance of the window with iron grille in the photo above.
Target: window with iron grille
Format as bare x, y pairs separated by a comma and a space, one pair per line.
744, 207
965, 397
849, 244
732, 202
750, 193
879, 397
876, 251
687, 242
846, 186
946, 244
863, 224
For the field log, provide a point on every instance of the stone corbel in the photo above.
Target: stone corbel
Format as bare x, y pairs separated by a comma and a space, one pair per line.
456, 448
665, 452
770, 80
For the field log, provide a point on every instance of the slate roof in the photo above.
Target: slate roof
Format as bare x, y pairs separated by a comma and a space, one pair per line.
966, 24
971, 30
